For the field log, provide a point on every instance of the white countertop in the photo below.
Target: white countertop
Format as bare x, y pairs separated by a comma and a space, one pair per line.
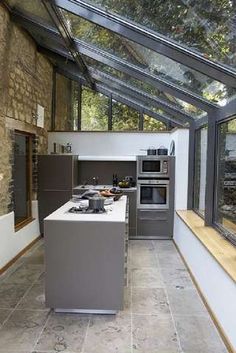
116, 212
101, 187
107, 158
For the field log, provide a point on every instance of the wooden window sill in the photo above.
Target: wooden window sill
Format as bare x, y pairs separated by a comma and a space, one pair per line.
221, 249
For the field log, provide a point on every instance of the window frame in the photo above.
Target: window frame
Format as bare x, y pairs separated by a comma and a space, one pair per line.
225, 232
29, 181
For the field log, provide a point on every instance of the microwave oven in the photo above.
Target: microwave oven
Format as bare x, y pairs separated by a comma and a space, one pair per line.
152, 167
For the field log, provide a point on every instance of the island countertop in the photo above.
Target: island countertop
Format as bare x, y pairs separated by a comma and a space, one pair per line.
116, 212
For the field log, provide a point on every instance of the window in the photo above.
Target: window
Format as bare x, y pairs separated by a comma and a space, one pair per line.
22, 178
94, 111
200, 170
152, 124
225, 208
124, 118
66, 112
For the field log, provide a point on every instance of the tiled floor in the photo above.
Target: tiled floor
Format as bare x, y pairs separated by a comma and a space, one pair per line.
163, 311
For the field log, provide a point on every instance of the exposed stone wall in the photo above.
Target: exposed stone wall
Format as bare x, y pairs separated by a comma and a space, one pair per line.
25, 81
63, 103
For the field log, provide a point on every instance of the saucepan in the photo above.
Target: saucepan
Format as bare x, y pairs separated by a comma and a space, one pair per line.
96, 202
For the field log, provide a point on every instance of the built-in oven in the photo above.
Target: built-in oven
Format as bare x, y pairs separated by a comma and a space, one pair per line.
152, 167
152, 194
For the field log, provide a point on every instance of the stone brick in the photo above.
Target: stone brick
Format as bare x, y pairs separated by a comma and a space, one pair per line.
25, 80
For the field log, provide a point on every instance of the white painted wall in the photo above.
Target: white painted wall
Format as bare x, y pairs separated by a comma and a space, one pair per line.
217, 287
181, 138
13, 242
109, 143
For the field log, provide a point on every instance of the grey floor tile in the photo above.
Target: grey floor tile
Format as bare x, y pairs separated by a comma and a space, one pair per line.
177, 278
63, 333
26, 274
37, 258
170, 260
198, 335
21, 330
109, 334
147, 277
4, 313
152, 335
186, 302
150, 301
11, 294
127, 299
143, 260
34, 299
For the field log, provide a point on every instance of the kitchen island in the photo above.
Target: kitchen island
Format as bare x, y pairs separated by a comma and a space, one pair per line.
86, 259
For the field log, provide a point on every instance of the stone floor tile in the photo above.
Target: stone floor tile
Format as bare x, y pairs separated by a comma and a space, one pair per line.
147, 277
186, 302
198, 334
152, 335
170, 260
177, 278
34, 298
63, 333
21, 330
11, 294
25, 274
4, 313
127, 299
37, 258
143, 260
109, 334
150, 301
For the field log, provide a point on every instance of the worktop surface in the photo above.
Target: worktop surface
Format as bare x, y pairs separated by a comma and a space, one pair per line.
115, 212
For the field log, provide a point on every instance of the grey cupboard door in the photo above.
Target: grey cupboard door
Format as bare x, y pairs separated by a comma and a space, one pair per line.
55, 172
51, 200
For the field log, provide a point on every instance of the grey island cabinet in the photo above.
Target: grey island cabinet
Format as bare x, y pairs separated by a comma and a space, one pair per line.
86, 259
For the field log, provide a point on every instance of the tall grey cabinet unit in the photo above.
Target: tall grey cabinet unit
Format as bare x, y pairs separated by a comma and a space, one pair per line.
57, 176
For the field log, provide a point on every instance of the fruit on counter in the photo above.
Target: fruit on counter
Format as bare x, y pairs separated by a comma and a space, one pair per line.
124, 184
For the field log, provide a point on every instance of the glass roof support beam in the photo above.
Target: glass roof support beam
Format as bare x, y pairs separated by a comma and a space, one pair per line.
116, 63
151, 40
126, 88
68, 40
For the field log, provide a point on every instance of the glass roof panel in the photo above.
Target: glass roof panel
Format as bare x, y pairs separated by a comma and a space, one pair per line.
145, 87
35, 8
208, 27
148, 60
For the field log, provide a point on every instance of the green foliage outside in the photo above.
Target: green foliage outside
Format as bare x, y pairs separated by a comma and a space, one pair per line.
124, 118
94, 111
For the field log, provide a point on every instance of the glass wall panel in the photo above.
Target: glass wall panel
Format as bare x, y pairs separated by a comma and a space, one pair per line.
124, 118
94, 111
152, 124
148, 60
205, 27
200, 170
33, 7
145, 87
66, 109
225, 214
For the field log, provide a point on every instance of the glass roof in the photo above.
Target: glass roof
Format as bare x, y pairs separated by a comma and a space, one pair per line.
205, 26
145, 87
148, 60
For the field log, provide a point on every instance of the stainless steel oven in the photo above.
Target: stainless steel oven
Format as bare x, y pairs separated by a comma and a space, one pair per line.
152, 167
153, 194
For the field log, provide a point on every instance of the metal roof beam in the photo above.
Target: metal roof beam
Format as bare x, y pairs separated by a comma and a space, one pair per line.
58, 19
151, 40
